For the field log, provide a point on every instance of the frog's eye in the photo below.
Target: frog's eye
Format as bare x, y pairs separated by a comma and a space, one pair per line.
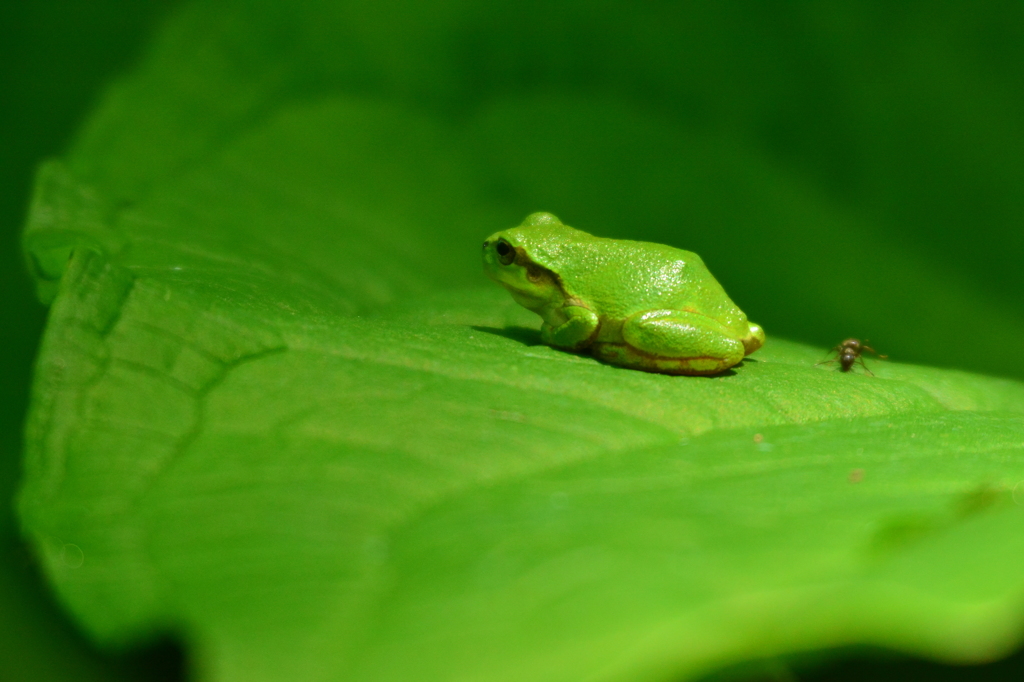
506, 254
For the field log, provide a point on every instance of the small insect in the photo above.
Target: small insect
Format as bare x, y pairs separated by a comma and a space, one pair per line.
850, 352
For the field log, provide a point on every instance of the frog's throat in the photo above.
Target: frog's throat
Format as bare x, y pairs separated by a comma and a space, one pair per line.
528, 298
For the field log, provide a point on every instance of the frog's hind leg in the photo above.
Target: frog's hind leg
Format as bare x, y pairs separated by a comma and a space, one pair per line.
673, 342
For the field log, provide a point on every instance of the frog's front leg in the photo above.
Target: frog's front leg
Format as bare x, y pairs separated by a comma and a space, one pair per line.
576, 332
674, 342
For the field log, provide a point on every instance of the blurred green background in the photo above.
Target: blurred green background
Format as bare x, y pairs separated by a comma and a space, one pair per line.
895, 130
54, 58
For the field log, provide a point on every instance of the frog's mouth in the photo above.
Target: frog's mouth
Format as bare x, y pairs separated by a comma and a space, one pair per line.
492, 268
515, 282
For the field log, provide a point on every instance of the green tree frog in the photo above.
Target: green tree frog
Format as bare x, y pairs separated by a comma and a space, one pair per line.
634, 304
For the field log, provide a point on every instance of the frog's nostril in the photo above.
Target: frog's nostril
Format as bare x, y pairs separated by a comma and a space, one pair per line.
486, 244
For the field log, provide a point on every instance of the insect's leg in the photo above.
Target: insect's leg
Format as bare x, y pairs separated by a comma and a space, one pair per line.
874, 352
864, 365
835, 349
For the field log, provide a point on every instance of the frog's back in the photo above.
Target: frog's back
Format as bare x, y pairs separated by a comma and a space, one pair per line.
622, 277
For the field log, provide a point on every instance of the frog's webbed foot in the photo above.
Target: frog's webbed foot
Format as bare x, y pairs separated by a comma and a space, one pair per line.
674, 342
575, 333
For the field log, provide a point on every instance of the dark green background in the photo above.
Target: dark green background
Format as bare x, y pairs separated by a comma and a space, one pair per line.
909, 118
54, 59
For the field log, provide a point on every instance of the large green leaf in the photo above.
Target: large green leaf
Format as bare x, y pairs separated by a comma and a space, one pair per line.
434, 494
278, 413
